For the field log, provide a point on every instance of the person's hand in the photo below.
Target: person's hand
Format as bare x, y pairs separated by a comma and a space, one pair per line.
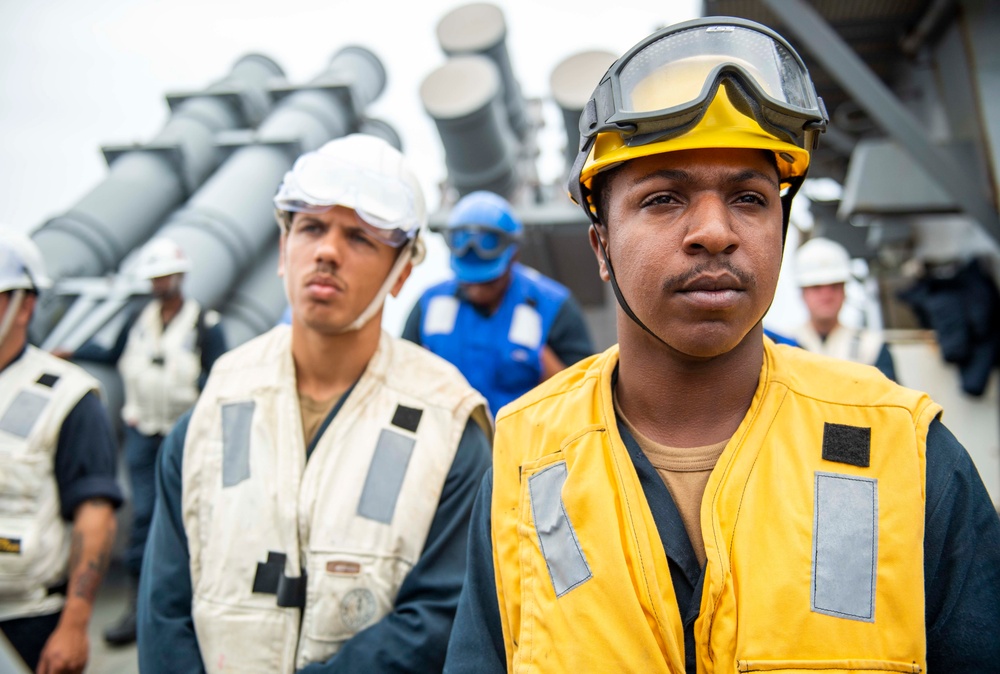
65, 354
65, 652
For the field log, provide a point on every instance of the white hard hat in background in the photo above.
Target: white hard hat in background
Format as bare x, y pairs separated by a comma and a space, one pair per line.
820, 262
161, 257
21, 264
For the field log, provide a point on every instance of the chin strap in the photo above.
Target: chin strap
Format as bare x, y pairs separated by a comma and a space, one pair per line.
12, 308
618, 293
414, 252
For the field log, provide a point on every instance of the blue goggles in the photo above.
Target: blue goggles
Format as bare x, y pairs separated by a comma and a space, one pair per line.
488, 243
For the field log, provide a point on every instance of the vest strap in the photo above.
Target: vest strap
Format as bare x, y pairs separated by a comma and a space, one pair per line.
271, 579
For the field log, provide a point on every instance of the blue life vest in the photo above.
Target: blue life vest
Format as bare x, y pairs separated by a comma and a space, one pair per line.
500, 354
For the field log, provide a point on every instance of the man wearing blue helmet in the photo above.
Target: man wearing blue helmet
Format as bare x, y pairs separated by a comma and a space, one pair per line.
505, 326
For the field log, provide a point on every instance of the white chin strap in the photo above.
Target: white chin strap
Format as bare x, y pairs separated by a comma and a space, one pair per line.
413, 252
12, 308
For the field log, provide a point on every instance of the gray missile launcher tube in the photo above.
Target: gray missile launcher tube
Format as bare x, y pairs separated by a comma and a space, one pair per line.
463, 97
257, 301
229, 222
145, 183
480, 28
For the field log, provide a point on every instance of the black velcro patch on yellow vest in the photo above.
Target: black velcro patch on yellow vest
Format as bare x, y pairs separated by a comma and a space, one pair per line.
407, 418
10, 546
48, 380
847, 444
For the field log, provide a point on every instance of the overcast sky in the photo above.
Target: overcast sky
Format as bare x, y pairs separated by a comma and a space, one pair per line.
78, 74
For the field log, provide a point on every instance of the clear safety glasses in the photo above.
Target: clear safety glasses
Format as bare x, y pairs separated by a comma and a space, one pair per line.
662, 86
487, 242
386, 208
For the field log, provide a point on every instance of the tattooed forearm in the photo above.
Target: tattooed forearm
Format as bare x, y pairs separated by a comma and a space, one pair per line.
90, 549
87, 573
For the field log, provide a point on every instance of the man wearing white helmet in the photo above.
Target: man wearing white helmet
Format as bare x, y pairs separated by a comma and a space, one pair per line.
822, 269
57, 481
313, 508
164, 353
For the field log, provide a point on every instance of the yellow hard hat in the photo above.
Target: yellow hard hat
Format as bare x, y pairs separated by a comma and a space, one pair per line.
718, 82
721, 126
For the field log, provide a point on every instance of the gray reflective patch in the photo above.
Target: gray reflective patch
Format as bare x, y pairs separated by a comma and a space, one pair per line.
567, 565
22, 414
385, 476
236, 421
845, 546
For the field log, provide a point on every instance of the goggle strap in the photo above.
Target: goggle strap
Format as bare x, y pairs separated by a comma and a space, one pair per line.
588, 120
576, 187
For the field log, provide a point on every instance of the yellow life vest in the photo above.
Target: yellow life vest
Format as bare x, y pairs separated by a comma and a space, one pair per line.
812, 519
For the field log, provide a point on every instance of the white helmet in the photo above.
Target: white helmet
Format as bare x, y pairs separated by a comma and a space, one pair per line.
21, 265
364, 173
820, 262
161, 257
371, 177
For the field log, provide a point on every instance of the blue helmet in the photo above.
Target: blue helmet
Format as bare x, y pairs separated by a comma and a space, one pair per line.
483, 235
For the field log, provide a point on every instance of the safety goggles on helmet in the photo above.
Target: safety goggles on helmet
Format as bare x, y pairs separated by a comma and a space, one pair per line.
662, 87
487, 242
385, 208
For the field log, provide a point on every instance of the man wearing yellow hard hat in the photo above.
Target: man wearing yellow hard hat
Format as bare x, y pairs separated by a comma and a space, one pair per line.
697, 498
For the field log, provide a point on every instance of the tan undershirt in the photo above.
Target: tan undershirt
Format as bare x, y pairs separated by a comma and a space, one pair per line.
685, 471
314, 412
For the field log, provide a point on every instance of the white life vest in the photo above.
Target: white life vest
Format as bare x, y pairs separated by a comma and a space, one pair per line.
269, 533
853, 344
160, 368
37, 393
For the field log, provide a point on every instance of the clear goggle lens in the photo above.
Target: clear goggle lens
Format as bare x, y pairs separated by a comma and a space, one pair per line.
675, 70
488, 243
385, 208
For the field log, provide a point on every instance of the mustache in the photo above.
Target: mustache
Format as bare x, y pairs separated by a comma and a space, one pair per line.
675, 283
328, 270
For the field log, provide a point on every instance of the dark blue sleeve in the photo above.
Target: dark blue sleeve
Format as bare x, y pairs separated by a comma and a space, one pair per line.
86, 457
95, 353
477, 641
414, 636
166, 638
569, 336
213, 345
411, 331
885, 364
961, 561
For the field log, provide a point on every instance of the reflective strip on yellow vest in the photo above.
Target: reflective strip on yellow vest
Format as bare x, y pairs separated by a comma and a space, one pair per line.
37, 393
812, 562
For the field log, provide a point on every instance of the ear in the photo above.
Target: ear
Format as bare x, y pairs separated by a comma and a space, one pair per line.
281, 253
405, 274
26, 310
599, 231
